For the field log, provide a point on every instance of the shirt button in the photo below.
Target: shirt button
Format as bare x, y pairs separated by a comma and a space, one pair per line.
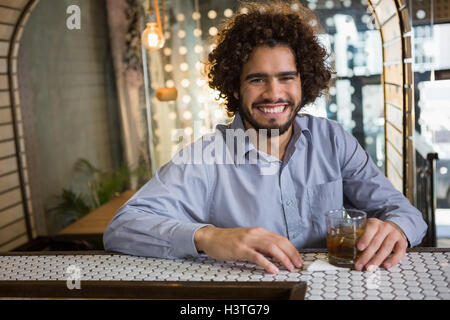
289, 202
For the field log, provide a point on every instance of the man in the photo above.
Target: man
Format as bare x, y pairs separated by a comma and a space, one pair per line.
267, 64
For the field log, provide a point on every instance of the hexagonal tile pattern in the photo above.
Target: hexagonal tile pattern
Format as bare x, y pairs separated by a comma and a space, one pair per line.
420, 275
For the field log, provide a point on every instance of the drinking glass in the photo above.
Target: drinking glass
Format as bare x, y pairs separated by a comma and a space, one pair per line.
344, 229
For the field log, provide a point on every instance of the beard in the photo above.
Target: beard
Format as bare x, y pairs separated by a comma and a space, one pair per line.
246, 116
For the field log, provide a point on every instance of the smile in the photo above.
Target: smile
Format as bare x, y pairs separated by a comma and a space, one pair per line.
273, 110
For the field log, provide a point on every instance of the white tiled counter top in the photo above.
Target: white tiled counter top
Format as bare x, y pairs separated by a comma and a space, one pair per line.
422, 273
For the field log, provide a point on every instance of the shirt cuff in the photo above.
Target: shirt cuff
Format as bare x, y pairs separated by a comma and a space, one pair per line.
183, 239
408, 230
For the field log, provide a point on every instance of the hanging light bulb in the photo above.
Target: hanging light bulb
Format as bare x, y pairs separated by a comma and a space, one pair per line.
153, 36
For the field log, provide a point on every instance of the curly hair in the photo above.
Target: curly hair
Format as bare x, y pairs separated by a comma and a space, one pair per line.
275, 23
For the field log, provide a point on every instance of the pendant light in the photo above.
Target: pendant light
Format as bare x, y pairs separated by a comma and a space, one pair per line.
153, 35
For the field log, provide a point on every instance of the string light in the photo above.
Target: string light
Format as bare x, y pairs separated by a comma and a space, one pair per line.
186, 99
201, 82
182, 50
212, 14
198, 49
181, 34
187, 115
184, 66
188, 131
185, 83
168, 68
153, 36
213, 31
228, 13
180, 17
197, 33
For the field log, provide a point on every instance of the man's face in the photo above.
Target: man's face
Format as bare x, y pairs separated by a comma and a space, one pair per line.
270, 89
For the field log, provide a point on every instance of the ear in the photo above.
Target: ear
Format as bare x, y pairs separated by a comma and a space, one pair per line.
236, 95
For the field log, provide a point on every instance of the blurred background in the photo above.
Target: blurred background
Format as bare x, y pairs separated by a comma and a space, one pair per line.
93, 124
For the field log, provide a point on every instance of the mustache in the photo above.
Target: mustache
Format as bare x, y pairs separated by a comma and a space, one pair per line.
267, 101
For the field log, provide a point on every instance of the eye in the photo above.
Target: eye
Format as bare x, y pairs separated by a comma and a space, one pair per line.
287, 78
256, 80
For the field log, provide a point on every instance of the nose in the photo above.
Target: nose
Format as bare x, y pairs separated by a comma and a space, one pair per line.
273, 91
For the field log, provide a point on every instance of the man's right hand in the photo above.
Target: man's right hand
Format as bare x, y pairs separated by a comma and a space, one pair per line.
248, 243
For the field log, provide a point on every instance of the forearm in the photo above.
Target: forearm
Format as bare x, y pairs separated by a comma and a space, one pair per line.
368, 189
146, 234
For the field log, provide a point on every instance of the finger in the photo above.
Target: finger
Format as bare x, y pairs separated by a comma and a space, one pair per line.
258, 259
369, 252
275, 251
399, 253
384, 252
278, 247
291, 252
370, 231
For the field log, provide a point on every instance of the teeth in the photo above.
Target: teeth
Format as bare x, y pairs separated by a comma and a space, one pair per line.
272, 110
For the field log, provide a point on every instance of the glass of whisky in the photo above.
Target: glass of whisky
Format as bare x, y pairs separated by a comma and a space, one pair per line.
344, 229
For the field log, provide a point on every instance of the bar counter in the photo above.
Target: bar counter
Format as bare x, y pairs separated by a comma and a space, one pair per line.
424, 273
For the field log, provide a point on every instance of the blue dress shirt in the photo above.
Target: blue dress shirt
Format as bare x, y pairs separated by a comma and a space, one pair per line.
324, 168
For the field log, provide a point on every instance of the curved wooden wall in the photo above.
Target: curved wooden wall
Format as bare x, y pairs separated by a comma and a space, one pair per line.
16, 218
393, 21
16, 212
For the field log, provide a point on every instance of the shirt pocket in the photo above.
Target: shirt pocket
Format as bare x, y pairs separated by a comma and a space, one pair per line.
322, 198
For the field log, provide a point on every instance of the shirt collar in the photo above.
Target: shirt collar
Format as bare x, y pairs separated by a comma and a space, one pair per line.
238, 124
301, 123
300, 126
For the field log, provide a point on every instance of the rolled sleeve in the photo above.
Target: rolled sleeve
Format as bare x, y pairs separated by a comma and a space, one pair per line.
366, 188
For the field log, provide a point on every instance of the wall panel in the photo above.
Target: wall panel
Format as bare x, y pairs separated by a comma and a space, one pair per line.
393, 20
15, 226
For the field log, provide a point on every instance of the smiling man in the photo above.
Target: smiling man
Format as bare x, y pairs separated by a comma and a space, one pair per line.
270, 88
267, 64
270, 91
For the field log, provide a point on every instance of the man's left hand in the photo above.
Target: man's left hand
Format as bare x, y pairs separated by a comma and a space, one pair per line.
379, 240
